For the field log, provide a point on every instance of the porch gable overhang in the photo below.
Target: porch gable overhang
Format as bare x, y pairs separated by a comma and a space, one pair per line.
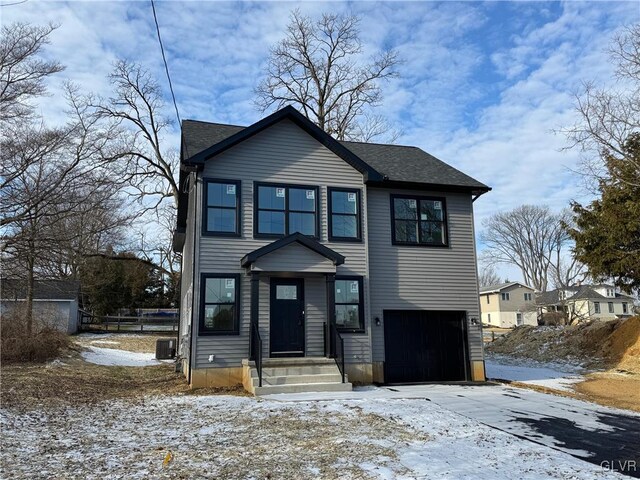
280, 245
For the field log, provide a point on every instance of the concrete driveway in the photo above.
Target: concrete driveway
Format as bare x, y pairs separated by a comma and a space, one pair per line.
600, 435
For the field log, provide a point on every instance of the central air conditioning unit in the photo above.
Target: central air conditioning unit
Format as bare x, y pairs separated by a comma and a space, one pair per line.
166, 348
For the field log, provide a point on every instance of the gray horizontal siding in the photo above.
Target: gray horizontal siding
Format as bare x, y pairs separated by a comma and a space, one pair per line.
422, 278
281, 154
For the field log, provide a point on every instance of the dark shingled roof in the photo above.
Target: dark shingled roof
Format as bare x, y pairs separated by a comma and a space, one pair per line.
398, 163
14, 289
410, 164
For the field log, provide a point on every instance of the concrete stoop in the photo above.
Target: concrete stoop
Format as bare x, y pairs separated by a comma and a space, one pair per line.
295, 375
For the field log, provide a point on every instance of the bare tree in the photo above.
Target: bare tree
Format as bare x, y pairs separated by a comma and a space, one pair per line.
530, 237
136, 109
22, 71
608, 116
317, 68
488, 276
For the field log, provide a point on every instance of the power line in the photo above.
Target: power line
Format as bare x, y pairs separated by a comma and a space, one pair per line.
164, 59
14, 3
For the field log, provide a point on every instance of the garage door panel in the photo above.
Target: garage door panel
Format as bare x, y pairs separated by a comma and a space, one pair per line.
423, 346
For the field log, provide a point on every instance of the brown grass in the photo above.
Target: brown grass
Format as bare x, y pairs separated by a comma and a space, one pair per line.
72, 381
17, 345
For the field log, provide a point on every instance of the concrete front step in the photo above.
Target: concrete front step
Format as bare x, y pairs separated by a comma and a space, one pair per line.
302, 388
293, 370
298, 379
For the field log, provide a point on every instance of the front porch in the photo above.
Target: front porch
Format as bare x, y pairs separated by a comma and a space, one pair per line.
294, 344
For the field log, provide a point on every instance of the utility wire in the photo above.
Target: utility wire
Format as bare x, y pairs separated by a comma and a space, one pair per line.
164, 59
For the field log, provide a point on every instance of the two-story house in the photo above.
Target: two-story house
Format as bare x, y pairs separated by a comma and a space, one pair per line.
508, 305
595, 302
309, 262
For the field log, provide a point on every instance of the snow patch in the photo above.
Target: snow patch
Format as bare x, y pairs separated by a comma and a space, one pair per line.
120, 358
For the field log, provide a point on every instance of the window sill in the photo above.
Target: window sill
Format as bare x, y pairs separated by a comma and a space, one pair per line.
206, 233
351, 330
209, 333
427, 245
345, 239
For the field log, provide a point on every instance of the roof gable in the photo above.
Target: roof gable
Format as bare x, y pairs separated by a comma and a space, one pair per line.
297, 118
299, 238
501, 286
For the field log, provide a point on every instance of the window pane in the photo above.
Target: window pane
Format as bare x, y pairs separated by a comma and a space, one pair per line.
430, 210
221, 194
348, 316
219, 317
304, 223
405, 208
302, 199
221, 220
286, 292
344, 226
271, 222
220, 290
347, 291
271, 197
432, 232
406, 231
344, 202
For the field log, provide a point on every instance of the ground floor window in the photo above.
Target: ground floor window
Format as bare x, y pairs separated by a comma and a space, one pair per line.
349, 304
219, 304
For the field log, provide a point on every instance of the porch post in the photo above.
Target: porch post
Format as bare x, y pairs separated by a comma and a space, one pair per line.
255, 299
331, 312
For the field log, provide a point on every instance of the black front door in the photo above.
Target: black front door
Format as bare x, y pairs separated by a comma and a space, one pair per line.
287, 317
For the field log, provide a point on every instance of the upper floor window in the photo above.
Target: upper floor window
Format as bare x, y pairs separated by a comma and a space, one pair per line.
610, 292
222, 207
505, 296
344, 214
488, 300
349, 304
528, 297
610, 306
625, 308
219, 309
418, 221
285, 209
596, 307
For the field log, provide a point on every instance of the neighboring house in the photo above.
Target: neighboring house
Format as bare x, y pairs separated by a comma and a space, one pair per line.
301, 245
508, 305
600, 302
56, 303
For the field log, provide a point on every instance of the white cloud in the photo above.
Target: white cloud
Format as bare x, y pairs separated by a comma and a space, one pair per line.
483, 85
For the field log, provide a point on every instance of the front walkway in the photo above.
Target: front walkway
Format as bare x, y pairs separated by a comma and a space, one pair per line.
584, 430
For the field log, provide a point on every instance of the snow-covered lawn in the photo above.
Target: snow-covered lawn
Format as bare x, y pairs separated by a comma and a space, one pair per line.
115, 357
551, 375
242, 437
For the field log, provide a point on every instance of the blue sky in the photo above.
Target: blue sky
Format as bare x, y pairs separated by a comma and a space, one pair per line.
483, 84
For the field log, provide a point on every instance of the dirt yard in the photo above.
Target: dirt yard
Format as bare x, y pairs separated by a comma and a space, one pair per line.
609, 351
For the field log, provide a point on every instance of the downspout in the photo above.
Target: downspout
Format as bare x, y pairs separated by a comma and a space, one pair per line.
193, 275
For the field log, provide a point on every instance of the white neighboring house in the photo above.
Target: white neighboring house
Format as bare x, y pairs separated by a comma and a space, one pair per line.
56, 303
508, 305
599, 302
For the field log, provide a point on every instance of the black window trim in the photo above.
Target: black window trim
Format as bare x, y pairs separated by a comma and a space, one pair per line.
360, 280
204, 331
358, 214
287, 186
205, 207
445, 221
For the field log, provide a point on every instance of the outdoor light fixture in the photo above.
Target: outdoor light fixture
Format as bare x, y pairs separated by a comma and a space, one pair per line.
377, 321
474, 321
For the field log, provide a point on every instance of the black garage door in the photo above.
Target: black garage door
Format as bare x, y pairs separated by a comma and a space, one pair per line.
424, 346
